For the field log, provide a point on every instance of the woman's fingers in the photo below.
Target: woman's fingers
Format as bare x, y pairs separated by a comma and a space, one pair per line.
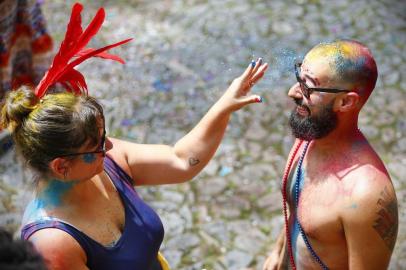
250, 99
248, 71
252, 69
258, 64
255, 77
259, 73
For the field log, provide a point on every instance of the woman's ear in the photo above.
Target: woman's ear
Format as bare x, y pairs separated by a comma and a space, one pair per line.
59, 167
348, 102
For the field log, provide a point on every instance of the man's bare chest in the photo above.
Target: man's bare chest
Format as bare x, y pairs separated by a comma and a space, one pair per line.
316, 200
318, 211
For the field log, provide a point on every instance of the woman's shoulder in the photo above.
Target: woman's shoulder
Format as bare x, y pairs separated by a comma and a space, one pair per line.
34, 212
118, 153
60, 249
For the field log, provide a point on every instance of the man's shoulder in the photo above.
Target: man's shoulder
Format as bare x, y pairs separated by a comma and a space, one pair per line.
367, 180
371, 191
374, 208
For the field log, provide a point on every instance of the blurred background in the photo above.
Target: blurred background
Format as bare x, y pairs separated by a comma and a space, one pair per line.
183, 56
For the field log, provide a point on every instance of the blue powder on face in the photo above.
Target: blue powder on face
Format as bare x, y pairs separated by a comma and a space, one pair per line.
89, 158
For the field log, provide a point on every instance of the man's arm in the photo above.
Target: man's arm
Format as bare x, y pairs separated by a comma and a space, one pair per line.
275, 259
371, 226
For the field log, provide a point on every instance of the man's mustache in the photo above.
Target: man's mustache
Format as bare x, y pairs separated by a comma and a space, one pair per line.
298, 101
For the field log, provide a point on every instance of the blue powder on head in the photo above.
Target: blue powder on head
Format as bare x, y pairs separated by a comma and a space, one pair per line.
347, 65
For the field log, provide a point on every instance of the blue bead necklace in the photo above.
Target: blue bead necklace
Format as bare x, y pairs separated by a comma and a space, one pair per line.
297, 195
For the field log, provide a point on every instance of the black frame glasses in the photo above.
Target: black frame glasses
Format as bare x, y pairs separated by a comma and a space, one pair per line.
101, 149
307, 91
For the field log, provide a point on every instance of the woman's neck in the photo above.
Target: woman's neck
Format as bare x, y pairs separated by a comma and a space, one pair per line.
54, 193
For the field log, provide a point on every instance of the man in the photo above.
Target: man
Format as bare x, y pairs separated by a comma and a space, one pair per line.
342, 210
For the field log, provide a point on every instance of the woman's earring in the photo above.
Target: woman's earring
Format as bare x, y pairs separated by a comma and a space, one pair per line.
65, 174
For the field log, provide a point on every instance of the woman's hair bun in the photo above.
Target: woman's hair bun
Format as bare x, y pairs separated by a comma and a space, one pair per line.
17, 105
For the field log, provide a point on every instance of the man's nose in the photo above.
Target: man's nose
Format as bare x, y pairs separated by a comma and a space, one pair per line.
295, 92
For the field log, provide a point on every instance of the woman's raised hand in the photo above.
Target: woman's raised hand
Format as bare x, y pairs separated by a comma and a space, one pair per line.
238, 93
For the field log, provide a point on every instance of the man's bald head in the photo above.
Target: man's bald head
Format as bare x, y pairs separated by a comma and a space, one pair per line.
351, 63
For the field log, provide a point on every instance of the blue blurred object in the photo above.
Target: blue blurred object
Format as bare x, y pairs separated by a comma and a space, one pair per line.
6, 142
162, 86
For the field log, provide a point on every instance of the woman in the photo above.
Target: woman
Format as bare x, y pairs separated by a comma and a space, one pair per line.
86, 213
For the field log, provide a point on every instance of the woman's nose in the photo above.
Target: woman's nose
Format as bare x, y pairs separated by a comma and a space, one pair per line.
109, 144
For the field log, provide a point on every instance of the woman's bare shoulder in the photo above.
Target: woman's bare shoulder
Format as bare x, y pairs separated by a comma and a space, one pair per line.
59, 249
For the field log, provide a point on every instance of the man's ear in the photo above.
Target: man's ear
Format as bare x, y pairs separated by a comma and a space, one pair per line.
350, 101
59, 167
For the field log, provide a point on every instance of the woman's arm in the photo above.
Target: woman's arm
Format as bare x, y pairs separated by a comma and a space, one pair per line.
59, 249
161, 164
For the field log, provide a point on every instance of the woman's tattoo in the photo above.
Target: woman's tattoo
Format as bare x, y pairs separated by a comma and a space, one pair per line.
386, 224
193, 161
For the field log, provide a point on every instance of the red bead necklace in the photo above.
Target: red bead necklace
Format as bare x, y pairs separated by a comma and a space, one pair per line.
284, 196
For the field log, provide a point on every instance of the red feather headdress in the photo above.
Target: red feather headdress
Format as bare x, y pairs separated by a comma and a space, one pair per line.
73, 48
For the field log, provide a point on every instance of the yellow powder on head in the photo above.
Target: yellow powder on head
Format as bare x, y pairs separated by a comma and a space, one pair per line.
331, 51
322, 51
348, 50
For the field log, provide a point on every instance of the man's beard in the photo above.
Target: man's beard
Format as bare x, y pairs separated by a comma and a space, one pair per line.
313, 126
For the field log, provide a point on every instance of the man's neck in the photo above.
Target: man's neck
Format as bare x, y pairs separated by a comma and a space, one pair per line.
340, 138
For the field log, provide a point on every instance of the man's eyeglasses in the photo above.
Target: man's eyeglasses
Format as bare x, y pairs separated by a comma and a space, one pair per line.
101, 149
306, 90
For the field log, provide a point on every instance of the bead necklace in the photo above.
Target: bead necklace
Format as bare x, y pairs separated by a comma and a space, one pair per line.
284, 195
285, 212
297, 195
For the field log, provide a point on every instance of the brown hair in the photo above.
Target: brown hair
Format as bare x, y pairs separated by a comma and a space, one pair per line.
57, 124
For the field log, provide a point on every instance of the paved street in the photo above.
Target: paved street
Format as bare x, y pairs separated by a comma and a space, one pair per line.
184, 55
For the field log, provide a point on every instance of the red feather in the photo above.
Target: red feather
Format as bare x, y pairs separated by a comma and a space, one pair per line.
73, 45
96, 53
73, 31
101, 55
76, 81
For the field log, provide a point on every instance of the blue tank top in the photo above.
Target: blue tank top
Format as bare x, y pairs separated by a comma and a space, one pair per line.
141, 238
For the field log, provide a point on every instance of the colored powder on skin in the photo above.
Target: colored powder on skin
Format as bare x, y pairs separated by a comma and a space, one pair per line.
345, 66
34, 211
345, 59
323, 50
52, 195
345, 56
295, 230
295, 235
89, 158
